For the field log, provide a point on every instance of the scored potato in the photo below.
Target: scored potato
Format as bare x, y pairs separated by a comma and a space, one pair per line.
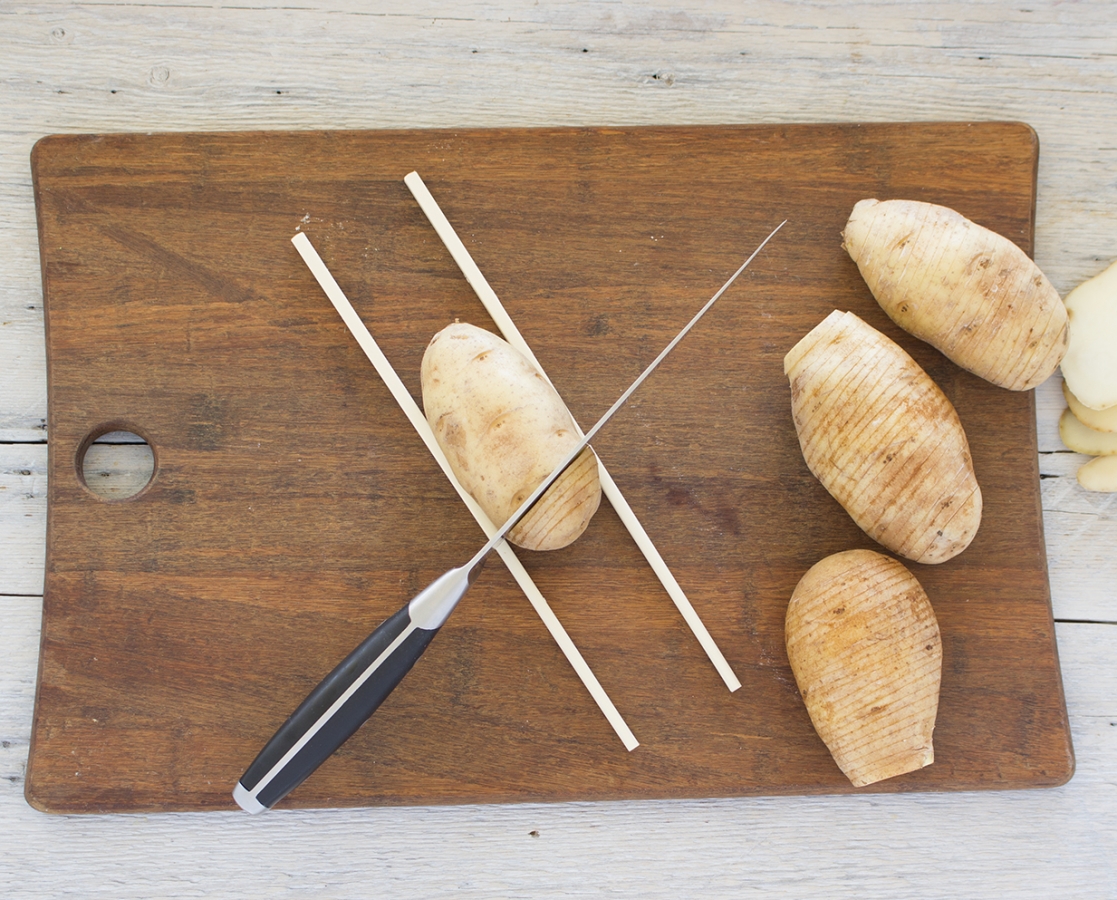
504, 428
865, 648
1099, 474
883, 440
1098, 419
1090, 366
1082, 439
969, 292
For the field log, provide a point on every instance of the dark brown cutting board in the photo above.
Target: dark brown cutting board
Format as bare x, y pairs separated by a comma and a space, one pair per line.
293, 507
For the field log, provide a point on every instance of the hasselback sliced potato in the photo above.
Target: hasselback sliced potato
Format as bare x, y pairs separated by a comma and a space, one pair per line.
964, 289
865, 648
883, 440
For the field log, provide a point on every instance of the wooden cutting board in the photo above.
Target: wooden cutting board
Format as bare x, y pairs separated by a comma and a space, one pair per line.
293, 508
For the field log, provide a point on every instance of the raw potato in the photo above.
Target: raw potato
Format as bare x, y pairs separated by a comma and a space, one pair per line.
504, 429
864, 645
1090, 366
1083, 439
966, 290
1099, 474
883, 440
1098, 419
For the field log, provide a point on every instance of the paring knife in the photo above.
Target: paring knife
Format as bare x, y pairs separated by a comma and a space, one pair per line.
362, 681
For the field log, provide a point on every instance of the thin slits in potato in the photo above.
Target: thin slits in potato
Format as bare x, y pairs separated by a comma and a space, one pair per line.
883, 440
864, 645
547, 523
964, 289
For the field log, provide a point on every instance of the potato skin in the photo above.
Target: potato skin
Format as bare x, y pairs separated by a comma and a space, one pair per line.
504, 428
969, 292
865, 648
883, 440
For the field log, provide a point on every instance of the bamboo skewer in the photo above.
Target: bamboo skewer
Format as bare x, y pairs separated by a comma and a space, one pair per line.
418, 421
512, 334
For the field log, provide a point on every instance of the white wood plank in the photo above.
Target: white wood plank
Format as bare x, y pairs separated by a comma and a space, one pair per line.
23, 386
117, 471
22, 348
1081, 531
1049, 406
23, 520
20, 621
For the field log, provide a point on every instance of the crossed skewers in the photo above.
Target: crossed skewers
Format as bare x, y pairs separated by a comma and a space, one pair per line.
609, 487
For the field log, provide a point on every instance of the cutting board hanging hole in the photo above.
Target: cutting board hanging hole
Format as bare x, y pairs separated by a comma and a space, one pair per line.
115, 463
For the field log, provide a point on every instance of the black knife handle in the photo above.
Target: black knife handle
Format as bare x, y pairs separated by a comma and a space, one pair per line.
351, 693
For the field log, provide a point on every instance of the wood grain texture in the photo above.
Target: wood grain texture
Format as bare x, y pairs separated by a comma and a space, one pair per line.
175, 644
165, 66
1023, 844
92, 68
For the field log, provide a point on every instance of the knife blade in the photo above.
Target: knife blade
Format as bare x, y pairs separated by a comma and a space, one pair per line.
360, 683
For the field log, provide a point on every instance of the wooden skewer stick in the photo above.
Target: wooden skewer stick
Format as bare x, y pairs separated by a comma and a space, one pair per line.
609, 487
418, 421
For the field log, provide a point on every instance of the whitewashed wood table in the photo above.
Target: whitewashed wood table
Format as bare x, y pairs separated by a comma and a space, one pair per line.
169, 66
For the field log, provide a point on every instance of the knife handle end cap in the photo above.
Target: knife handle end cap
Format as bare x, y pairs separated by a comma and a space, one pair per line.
246, 801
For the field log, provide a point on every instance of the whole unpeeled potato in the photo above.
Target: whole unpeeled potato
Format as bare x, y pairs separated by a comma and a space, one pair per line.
966, 290
883, 439
865, 648
504, 428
